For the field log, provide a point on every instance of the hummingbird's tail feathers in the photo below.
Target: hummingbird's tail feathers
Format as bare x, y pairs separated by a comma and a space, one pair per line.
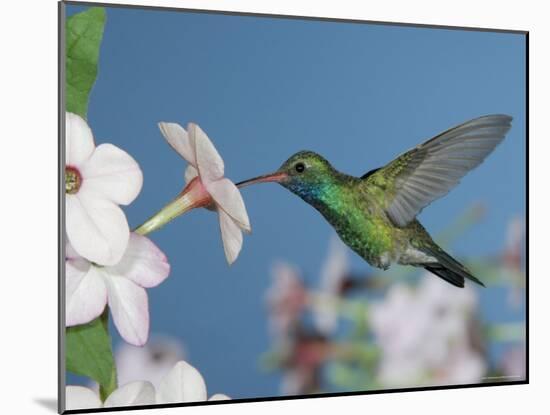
448, 275
449, 268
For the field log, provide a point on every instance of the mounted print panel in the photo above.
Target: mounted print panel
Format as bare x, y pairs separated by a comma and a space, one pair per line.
258, 206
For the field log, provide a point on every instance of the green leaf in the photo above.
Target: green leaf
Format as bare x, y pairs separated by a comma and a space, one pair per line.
84, 32
89, 353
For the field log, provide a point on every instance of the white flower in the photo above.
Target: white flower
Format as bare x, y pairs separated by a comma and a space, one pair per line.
131, 394
425, 335
90, 287
97, 180
182, 384
151, 361
206, 187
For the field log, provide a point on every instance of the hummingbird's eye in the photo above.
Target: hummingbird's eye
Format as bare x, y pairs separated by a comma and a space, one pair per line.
300, 167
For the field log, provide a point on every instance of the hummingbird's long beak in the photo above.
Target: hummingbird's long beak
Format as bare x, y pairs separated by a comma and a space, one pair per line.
271, 177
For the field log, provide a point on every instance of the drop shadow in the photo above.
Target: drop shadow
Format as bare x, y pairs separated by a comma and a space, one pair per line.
48, 403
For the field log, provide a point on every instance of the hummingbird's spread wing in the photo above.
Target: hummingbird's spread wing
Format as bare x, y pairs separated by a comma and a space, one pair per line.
432, 169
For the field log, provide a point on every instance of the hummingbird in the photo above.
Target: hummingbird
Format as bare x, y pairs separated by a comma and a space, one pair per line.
375, 214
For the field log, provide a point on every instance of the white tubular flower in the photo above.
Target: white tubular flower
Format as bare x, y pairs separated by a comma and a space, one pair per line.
206, 186
97, 180
90, 287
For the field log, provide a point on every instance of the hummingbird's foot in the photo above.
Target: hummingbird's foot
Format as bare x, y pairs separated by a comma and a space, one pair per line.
384, 261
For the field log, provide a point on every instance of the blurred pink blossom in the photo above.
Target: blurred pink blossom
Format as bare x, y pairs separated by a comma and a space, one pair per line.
307, 351
286, 299
425, 335
513, 363
333, 275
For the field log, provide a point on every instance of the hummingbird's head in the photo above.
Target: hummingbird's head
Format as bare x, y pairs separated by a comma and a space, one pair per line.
306, 174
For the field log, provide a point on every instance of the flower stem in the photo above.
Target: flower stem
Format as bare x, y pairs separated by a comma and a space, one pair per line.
176, 207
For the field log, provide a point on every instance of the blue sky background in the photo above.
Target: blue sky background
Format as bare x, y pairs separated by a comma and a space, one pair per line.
262, 89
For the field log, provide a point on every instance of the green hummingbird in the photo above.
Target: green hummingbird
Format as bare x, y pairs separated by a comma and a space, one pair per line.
375, 214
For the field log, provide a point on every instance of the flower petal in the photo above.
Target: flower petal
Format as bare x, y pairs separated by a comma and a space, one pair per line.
134, 393
219, 397
152, 361
227, 197
79, 140
112, 174
70, 253
79, 397
86, 294
96, 228
190, 173
232, 237
129, 305
209, 162
143, 262
183, 383
178, 138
